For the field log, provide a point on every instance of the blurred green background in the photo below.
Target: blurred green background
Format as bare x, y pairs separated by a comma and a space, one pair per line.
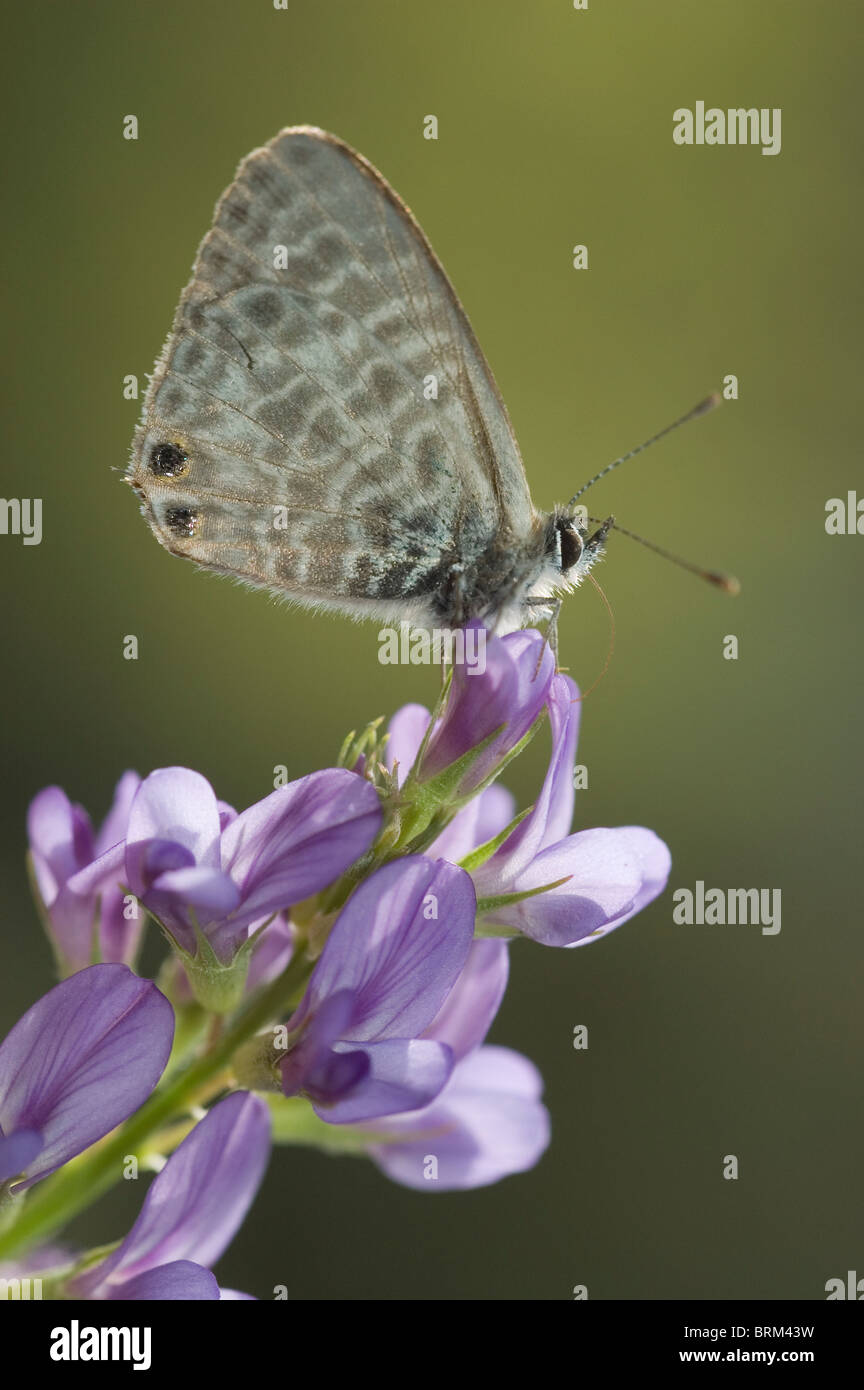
555, 129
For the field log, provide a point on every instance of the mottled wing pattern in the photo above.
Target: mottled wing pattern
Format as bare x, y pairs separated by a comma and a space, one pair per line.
286, 436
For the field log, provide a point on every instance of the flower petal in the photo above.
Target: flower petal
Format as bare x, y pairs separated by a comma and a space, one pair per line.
61, 839
398, 945
17, 1150
72, 921
82, 1059
118, 933
93, 896
175, 805
113, 828
271, 952
299, 839
487, 1123
401, 1075
511, 692
209, 892
552, 816
196, 1204
405, 734
180, 1280
106, 871
481, 820
612, 875
655, 862
466, 1015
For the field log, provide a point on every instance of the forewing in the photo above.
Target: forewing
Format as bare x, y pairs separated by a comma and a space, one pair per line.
322, 420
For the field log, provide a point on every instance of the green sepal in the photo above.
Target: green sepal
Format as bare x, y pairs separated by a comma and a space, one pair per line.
485, 906
479, 856
216, 985
55, 1280
445, 813
295, 1122
496, 933
368, 744
434, 716
426, 798
343, 751
508, 757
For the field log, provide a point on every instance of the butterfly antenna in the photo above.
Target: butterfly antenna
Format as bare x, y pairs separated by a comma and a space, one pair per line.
727, 582
611, 651
701, 409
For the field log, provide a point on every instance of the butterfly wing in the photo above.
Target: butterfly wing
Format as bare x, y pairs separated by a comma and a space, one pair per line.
322, 420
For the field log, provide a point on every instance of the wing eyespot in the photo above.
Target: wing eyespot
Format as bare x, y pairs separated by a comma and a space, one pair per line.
168, 460
181, 521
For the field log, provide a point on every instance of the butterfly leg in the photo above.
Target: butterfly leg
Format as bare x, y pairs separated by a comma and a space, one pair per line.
552, 607
445, 672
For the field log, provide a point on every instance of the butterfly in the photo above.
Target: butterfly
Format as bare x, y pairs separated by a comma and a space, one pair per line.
322, 422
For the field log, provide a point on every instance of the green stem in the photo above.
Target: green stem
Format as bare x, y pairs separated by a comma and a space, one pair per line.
61, 1197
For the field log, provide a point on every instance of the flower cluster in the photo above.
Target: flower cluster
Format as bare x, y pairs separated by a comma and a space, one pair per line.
338, 953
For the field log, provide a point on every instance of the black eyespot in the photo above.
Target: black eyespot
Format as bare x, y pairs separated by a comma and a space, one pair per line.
181, 520
167, 460
571, 544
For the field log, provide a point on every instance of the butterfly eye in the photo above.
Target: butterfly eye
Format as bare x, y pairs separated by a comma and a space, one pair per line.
571, 545
181, 520
167, 460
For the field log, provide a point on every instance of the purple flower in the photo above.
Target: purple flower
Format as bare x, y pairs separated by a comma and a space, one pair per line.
395, 952
484, 816
610, 874
82, 1059
82, 915
467, 1013
188, 861
191, 1212
487, 1123
509, 696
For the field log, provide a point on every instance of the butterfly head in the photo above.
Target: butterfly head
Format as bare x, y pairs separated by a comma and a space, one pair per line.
572, 548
